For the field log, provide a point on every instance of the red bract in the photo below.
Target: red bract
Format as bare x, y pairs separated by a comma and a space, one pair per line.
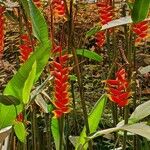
61, 73
1, 30
106, 15
20, 117
25, 48
141, 31
118, 89
58, 7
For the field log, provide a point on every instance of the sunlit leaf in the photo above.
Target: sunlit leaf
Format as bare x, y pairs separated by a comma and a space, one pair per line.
28, 84
20, 131
93, 119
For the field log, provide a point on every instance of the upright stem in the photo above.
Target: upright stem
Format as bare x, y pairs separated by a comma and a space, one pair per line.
33, 127
126, 115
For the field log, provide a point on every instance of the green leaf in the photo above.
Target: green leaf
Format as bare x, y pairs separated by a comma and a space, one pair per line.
139, 128
41, 55
28, 84
20, 131
16, 84
73, 77
9, 100
89, 54
93, 119
140, 112
93, 31
140, 10
55, 132
38, 23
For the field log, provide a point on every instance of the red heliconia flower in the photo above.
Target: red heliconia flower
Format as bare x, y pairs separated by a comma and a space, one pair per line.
20, 117
1, 30
61, 72
37, 3
118, 89
25, 48
141, 31
106, 15
58, 7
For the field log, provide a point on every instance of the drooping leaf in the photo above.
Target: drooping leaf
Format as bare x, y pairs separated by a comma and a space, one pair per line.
55, 132
93, 31
140, 10
138, 128
93, 119
39, 25
140, 112
89, 54
9, 100
28, 84
20, 131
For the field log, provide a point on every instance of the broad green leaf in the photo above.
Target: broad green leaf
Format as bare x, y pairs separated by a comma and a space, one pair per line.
38, 23
139, 128
28, 84
16, 84
9, 100
89, 54
20, 131
93, 119
140, 112
55, 132
41, 55
93, 31
140, 10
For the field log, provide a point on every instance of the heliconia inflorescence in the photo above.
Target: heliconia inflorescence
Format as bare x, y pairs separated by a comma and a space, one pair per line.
25, 48
1, 30
58, 7
141, 31
106, 15
119, 89
61, 86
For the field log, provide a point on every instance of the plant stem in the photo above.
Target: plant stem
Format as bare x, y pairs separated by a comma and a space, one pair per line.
33, 127
71, 46
126, 115
48, 135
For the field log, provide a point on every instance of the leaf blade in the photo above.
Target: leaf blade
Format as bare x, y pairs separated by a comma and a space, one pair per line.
89, 54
